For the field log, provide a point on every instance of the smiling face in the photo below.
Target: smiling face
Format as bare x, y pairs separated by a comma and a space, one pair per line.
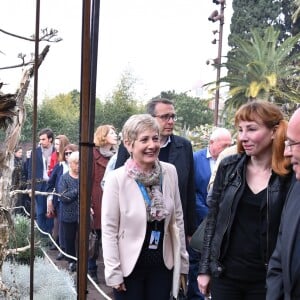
145, 148
255, 137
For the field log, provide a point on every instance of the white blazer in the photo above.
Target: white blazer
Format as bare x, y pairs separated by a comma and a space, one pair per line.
124, 223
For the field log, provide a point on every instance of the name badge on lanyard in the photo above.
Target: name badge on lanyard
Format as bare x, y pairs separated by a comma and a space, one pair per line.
154, 239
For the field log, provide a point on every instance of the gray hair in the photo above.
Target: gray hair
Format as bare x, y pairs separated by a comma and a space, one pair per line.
74, 156
137, 124
218, 133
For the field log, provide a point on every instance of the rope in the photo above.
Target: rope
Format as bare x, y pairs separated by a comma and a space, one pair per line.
96, 286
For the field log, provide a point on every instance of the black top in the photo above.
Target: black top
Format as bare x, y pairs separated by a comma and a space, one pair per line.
152, 257
243, 260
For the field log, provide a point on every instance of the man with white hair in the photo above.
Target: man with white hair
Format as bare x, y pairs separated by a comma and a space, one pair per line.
204, 162
283, 277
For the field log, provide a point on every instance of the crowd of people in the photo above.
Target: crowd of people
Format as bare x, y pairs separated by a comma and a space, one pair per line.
150, 192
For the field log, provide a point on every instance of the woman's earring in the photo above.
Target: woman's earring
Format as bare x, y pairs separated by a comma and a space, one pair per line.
131, 156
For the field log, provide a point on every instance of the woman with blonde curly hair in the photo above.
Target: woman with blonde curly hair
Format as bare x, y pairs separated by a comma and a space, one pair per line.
105, 140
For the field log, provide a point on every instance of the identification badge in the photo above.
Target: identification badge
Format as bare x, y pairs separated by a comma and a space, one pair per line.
154, 239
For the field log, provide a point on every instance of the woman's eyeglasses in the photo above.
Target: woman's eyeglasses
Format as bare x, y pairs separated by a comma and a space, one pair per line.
68, 153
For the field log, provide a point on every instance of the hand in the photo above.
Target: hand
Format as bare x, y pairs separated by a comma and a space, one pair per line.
183, 282
189, 239
50, 207
203, 284
120, 287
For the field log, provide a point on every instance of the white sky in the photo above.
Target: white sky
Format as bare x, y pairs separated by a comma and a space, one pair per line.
164, 43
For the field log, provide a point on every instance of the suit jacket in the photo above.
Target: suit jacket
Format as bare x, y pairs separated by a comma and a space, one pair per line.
181, 156
39, 166
283, 278
202, 176
124, 223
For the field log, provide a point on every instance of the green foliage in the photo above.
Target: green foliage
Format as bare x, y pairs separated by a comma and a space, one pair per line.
263, 68
21, 238
259, 16
120, 106
191, 111
60, 113
246, 17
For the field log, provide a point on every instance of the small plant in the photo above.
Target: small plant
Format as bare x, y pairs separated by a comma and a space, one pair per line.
49, 282
20, 237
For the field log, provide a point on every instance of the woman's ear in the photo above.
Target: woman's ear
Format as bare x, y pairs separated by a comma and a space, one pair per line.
274, 131
128, 145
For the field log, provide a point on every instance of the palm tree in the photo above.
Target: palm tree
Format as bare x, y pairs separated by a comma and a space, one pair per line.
296, 14
261, 67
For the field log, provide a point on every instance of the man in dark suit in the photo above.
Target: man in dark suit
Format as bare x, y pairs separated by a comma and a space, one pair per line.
42, 160
175, 150
283, 278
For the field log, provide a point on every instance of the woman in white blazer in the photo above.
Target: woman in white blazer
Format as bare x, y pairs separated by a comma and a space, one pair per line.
143, 236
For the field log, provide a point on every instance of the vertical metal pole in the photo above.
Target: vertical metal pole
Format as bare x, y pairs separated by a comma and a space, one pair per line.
84, 151
33, 153
217, 95
89, 54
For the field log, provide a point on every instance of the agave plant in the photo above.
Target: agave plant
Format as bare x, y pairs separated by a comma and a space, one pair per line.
263, 68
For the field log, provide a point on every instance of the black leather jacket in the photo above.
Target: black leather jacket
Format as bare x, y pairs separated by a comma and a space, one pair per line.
227, 191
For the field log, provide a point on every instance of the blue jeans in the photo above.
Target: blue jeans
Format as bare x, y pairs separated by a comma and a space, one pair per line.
193, 290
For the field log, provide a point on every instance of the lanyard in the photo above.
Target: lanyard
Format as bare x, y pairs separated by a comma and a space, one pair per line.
144, 192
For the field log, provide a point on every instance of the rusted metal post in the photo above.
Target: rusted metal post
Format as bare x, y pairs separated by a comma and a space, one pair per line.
89, 50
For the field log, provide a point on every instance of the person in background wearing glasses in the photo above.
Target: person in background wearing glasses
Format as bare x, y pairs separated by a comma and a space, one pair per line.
248, 195
283, 279
53, 201
175, 150
68, 187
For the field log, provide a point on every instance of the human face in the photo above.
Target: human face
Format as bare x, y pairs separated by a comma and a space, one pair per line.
145, 149
19, 153
112, 138
293, 136
56, 144
255, 137
67, 154
74, 166
45, 142
166, 126
218, 145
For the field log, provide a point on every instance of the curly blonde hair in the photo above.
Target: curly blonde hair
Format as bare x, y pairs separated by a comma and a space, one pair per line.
101, 134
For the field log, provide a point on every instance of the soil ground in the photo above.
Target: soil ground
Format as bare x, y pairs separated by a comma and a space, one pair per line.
93, 294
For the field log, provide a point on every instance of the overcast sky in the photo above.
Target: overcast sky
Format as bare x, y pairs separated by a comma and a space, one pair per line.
164, 43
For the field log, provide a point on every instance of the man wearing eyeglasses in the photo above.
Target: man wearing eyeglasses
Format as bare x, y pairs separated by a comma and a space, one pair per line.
175, 150
283, 278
